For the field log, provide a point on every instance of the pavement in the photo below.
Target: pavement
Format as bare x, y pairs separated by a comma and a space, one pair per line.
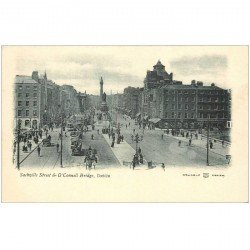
153, 147
167, 150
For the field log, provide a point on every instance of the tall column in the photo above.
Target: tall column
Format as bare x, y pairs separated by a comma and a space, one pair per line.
101, 90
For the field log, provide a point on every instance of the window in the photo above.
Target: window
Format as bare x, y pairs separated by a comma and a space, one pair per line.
208, 107
179, 115
216, 107
179, 106
35, 87
173, 106
186, 99
186, 106
35, 95
19, 95
186, 115
19, 103
27, 87
192, 106
179, 92
166, 114
200, 99
173, 114
27, 112
27, 123
192, 115
173, 98
27, 103
20, 87
34, 112
34, 103
27, 95
209, 99
193, 99
19, 113
167, 98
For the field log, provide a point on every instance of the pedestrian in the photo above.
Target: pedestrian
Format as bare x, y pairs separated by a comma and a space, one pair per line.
98, 132
189, 142
134, 130
139, 150
92, 137
30, 145
65, 134
141, 158
39, 151
133, 163
126, 126
112, 144
162, 136
223, 143
211, 144
163, 166
57, 147
179, 143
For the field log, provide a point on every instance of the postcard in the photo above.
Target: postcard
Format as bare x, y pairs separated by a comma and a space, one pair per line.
125, 123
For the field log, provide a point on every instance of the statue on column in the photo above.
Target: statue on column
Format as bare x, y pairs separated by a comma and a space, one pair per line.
104, 97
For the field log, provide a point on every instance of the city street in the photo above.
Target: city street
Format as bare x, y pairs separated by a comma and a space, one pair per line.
51, 158
166, 150
153, 147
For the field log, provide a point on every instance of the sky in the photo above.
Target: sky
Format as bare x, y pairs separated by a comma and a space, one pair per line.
122, 66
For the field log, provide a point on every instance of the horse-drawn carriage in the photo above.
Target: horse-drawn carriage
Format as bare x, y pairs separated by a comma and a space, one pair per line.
90, 161
47, 142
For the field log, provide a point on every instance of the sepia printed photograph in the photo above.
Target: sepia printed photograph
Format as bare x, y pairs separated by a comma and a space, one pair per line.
102, 116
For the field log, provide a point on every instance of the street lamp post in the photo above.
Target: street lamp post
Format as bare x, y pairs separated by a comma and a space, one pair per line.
208, 128
61, 163
18, 143
136, 139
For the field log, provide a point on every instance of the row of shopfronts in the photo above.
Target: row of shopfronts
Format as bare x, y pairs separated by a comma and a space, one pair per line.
181, 123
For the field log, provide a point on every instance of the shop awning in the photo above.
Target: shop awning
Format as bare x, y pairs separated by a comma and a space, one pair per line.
154, 120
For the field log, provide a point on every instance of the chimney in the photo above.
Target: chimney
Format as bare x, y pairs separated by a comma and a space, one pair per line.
212, 84
35, 75
199, 83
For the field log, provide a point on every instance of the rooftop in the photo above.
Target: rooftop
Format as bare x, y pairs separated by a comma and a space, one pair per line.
24, 79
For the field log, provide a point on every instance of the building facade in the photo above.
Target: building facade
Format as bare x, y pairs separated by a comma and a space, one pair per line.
39, 101
29, 100
188, 106
131, 101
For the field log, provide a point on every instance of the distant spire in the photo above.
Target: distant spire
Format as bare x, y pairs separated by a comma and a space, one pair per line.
45, 75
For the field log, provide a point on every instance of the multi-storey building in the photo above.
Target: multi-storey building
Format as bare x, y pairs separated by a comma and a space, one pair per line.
29, 101
177, 105
83, 102
131, 101
69, 100
39, 101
